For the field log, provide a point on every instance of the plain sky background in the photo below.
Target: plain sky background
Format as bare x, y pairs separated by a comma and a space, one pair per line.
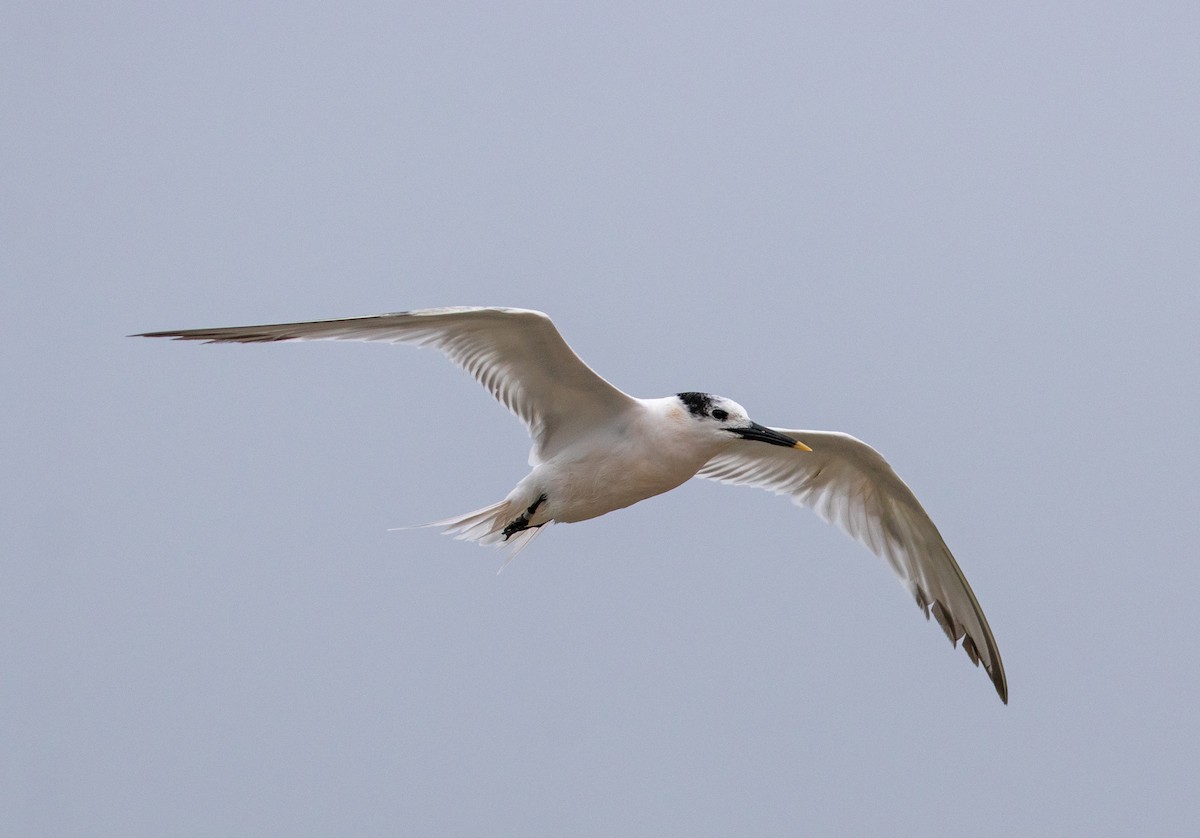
966, 233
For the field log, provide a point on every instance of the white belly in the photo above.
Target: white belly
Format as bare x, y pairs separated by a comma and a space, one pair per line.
601, 481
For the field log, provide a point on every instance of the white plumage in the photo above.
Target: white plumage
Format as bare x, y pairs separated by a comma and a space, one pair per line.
597, 449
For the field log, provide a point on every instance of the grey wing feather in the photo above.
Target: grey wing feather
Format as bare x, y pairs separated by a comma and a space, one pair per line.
517, 354
848, 483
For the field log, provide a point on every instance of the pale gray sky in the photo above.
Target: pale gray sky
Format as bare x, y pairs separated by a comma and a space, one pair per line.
965, 234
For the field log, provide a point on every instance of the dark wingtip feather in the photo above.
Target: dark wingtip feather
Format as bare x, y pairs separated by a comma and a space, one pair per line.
995, 669
217, 336
946, 621
922, 602
969, 648
1000, 683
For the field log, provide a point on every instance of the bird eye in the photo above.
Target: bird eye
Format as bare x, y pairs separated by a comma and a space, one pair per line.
720, 415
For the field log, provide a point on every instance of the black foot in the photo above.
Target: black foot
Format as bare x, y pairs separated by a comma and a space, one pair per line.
522, 522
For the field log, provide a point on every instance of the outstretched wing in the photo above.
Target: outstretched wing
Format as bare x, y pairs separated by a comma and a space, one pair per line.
848, 483
517, 354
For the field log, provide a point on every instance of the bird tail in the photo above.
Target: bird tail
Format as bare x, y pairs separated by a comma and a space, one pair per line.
486, 526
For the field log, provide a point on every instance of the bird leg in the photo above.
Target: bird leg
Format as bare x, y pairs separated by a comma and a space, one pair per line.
522, 521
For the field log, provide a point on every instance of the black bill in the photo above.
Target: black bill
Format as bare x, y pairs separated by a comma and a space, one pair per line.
760, 433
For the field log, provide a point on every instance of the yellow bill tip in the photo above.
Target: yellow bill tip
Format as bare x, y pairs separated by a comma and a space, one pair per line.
802, 446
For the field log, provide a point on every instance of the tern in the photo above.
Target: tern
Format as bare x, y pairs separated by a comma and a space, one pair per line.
597, 449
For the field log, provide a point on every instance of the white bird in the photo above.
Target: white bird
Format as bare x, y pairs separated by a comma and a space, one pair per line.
597, 449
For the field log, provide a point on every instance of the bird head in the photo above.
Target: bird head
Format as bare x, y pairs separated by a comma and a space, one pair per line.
726, 417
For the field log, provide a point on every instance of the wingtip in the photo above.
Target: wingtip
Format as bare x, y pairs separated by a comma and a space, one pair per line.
173, 335
954, 631
995, 671
1001, 687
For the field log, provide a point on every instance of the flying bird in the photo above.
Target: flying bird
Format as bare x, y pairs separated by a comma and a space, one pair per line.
597, 449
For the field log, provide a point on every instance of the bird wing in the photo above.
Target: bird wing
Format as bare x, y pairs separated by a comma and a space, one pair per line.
848, 483
517, 354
